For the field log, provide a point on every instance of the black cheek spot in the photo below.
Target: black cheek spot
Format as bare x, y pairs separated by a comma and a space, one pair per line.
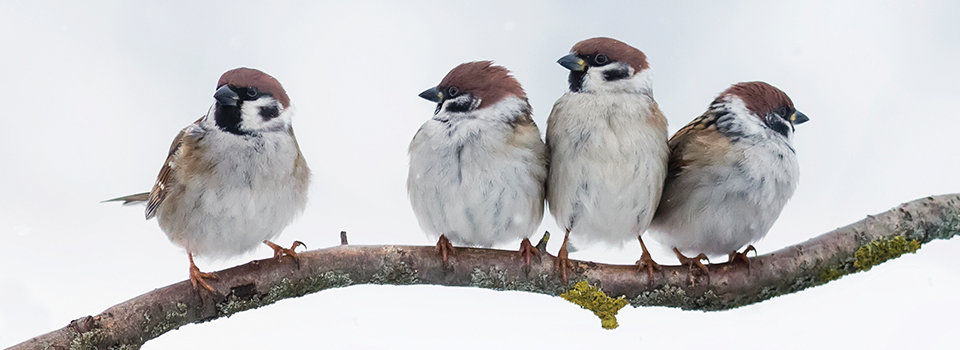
781, 128
616, 74
269, 112
460, 106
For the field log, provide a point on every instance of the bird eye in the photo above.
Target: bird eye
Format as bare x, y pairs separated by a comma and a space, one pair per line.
601, 59
253, 92
453, 91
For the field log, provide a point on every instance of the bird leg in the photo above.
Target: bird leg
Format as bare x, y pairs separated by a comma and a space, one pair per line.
445, 248
690, 262
562, 262
742, 257
527, 250
646, 261
196, 277
279, 252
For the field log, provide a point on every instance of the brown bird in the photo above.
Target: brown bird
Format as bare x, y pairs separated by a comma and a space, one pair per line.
731, 172
235, 177
608, 144
478, 166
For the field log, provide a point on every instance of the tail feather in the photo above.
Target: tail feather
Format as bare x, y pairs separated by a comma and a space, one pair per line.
131, 199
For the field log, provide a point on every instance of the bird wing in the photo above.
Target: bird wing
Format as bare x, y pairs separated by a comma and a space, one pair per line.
705, 139
165, 180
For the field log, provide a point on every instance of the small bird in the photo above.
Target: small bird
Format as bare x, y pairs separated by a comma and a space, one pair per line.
235, 177
477, 168
608, 148
731, 171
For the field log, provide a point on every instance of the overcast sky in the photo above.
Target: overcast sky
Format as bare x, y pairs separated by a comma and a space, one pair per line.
96, 91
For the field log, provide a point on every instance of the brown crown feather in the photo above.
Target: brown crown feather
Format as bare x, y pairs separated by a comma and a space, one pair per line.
759, 97
247, 77
484, 80
614, 49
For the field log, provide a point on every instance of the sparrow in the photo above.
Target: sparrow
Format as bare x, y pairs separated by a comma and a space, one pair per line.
731, 171
608, 148
233, 178
478, 166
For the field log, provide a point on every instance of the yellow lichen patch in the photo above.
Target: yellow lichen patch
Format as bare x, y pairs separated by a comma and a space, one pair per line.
594, 299
881, 250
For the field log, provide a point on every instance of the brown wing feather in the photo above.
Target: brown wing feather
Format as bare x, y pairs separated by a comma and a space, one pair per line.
678, 161
164, 179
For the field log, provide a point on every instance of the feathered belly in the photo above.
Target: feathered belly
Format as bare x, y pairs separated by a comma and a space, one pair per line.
701, 214
604, 201
221, 215
475, 196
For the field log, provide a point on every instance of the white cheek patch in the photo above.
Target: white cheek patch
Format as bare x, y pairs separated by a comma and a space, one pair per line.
252, 120
595, 80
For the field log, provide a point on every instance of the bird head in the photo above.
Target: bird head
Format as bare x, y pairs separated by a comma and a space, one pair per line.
249, 101
473, 85
768, 103
606, 65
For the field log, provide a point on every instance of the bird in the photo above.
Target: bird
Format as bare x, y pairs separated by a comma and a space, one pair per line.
608, 148
234, 178
731, 171
478, 166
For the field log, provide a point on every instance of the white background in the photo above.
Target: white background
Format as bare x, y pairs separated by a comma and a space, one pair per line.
93, 93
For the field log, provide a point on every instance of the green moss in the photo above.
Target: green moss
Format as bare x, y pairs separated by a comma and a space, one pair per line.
91, 339
395, 273
495, 278
878, 251
282, 290
592, 298
170, 321
828, 274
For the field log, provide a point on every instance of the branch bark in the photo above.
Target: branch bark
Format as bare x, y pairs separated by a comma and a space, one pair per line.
853, 248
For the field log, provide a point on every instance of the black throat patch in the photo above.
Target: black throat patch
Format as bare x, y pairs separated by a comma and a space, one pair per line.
228, 119
576, 80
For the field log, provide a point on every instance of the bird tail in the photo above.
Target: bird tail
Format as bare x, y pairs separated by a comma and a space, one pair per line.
131, 199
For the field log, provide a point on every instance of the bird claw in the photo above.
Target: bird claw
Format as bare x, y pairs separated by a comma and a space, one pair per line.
197, 277
526, 251
279, 252
694, 261
646, 262
742, 257
445, 248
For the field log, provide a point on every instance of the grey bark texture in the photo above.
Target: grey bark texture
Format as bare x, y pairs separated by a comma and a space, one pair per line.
853, 248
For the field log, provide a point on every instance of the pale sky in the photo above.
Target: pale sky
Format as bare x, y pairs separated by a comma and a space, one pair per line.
97, 91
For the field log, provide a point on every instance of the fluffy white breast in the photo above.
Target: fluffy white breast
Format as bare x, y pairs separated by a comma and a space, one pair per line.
608, 162
476, 178
250, 193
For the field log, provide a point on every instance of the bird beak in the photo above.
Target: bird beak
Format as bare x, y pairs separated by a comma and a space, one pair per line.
572, 62
432, 94
226, 96
798, 118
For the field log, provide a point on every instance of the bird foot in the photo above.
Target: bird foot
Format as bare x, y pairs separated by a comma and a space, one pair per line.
742, 257
694, 261
646, 263
445, 248
197, 277
279, 252
526, 251
562, 262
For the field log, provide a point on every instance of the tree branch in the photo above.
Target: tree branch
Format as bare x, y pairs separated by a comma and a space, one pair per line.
853, 248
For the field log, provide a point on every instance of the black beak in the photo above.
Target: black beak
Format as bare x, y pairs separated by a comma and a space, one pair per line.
573, 63
798, 118
432, 94
226, 96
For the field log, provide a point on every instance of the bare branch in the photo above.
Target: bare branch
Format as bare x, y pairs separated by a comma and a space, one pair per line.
855, 247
